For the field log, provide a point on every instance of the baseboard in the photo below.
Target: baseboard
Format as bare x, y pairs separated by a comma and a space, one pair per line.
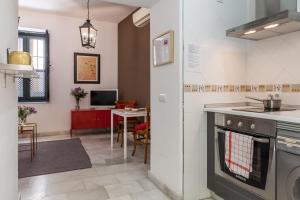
216, 197
76, 132
54, 133
173, 195
49, 134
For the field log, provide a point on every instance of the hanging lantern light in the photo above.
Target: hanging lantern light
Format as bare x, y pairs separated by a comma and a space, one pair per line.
87, 32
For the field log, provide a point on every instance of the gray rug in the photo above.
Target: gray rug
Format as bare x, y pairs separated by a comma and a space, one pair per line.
53, 157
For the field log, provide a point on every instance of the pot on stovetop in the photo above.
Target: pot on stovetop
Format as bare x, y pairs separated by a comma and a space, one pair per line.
272, 103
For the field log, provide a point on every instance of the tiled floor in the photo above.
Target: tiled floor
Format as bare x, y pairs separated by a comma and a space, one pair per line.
109, 178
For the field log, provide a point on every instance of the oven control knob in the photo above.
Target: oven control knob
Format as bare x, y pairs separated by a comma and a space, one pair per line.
252, 126
240, 124
229, 122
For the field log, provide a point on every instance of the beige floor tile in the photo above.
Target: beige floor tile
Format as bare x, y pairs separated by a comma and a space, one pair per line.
56, 197
64, 187
71, 175
150, 195
131, 176
95, 182
121, 168
119, 190
113, 169
126, 197
44, 180
33, 193
146, 184
97, 194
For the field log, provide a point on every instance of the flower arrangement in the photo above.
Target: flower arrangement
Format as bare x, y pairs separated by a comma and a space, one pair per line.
24, 112
78, 93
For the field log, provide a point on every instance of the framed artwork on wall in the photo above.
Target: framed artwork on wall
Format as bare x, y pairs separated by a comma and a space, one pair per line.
163, 49
86, 68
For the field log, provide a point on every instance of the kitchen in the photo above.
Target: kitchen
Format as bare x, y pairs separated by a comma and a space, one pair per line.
221, 68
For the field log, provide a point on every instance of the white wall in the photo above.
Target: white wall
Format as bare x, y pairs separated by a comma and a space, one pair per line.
166, 125
275, 61
8, 105
64, 41
221, 61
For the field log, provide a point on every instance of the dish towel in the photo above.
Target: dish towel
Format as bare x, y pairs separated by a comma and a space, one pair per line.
239, 153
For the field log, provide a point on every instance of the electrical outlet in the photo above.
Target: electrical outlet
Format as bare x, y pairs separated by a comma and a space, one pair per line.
162, 98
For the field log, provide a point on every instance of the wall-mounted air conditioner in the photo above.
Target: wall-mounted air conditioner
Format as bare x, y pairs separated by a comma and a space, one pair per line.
141, 17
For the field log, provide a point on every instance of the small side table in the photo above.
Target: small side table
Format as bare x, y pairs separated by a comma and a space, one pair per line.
28, 128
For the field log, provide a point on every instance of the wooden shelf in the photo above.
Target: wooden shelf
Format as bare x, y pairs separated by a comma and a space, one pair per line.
18, 71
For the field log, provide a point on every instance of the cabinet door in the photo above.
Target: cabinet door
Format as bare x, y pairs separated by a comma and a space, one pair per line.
103, 119
106, 119
83, 119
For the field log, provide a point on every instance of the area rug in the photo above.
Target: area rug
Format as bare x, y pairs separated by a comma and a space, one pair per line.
53, 157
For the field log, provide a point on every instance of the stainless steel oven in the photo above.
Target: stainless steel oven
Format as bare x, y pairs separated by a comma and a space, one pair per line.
261, 180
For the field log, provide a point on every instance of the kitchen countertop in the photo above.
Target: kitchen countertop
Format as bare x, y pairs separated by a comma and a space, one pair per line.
285, 116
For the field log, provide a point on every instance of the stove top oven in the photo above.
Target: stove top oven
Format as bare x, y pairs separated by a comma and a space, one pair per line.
261, 180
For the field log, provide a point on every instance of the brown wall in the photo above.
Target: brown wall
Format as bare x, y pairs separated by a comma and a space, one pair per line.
134, 62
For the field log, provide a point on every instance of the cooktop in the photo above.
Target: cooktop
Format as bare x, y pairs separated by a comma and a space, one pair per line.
262, 110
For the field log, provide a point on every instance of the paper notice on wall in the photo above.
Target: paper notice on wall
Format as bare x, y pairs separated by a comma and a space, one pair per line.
193, 57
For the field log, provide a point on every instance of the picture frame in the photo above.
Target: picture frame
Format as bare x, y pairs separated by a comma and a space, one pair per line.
163, 49
86, 68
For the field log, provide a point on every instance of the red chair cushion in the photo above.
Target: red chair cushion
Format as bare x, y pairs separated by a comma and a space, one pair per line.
122, 106
141, 127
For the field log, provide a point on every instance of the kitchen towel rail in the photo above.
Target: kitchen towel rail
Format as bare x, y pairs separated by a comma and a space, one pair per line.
260, 140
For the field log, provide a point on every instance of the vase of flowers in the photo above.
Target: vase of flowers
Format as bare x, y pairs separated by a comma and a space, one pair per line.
78, 93
24, 112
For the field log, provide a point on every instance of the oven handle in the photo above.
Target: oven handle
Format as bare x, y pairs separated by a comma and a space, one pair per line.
260, 140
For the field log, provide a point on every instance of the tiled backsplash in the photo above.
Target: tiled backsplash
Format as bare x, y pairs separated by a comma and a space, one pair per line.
281, 88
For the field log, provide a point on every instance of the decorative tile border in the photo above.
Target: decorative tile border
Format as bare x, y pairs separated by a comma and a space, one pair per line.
281, 88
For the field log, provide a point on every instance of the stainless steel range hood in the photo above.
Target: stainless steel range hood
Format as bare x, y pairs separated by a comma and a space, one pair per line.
273, 18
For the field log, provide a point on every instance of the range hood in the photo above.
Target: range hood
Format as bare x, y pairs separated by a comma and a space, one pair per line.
273, 18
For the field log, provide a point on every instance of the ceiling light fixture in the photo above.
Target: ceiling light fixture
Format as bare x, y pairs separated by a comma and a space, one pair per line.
250, 32
88, 33
271, 26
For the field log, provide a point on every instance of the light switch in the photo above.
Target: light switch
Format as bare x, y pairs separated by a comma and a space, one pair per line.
162, 98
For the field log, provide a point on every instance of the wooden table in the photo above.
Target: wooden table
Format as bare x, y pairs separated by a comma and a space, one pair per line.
125, 115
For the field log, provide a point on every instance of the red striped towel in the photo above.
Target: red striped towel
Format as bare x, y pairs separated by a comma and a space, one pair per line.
239, 153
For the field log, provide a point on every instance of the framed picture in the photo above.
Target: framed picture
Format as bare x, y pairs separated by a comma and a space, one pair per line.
86, 68
163, 49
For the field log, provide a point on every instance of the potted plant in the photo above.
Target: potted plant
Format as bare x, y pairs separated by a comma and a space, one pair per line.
78, 93
24, 112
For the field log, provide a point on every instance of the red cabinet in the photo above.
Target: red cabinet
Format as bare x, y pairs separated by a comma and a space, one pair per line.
103, 118
90, 119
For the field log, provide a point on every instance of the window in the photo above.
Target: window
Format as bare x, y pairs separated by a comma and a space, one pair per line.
37, 44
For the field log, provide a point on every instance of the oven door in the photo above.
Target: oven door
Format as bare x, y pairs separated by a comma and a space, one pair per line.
262, 178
